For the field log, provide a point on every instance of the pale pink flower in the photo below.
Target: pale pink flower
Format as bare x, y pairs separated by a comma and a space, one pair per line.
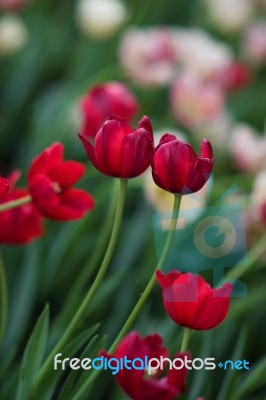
149, 56
248, 148
200, 54
194, 102
254, 45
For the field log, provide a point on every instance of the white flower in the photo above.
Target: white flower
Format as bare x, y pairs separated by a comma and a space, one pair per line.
149, 55
199, 53
254, 45
248, 148
230, 15
100, 18
13, 34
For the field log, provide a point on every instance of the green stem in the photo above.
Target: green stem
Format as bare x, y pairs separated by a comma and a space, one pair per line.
244, 266
152, 281
15, 203
3, 300
83, 390
92, 262
185, 341
90, 295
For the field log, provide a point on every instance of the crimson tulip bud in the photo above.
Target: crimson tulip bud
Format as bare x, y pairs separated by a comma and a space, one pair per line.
191, 302
177, 169
119, 151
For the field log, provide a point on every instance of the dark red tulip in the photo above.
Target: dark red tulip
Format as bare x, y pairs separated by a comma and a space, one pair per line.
111, 98
191, 302
50, 182
119, 151
4, 187
19, 225
137, 384
177, 169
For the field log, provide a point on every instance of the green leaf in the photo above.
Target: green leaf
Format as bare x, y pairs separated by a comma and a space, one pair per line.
73, 375
253, 380
33, 354
45, 390
231, 375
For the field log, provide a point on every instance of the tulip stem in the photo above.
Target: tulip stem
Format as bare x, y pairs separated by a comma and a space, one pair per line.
152, 281
47, 367
15, 203
84, 388
185, 341
3, 300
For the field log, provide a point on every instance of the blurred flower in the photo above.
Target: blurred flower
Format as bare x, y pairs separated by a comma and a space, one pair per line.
13, 34
100, 18
19, 225
198, 53
176, 167
191, 302
120, 151
217, 131
194, 102
12, 5
259, 196
235, 76
230, 15
254, 45
247, 148
50, 185
135, 382
149, 56
103, 101
4, 187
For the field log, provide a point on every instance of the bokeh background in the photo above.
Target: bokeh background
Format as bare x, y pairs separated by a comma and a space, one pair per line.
52, 53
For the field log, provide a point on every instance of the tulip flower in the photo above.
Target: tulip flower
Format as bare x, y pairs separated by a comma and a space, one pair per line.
50, 182
176, 167
19, 225
191, 302
120, 151
136, 383
111, 98
4, 187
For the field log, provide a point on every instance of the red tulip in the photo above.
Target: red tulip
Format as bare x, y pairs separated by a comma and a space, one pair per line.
233, 77
120, 151
136, 383
176, 167
102, 101
50, 184
19, 225
191, 302
4, 187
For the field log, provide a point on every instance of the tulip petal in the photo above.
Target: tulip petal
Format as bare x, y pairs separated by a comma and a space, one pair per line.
47, 160
171, 164
4, 187
168, 279
206, 149
43, 194
67, 173
90, 153
108, 141
199, 173
136, 153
